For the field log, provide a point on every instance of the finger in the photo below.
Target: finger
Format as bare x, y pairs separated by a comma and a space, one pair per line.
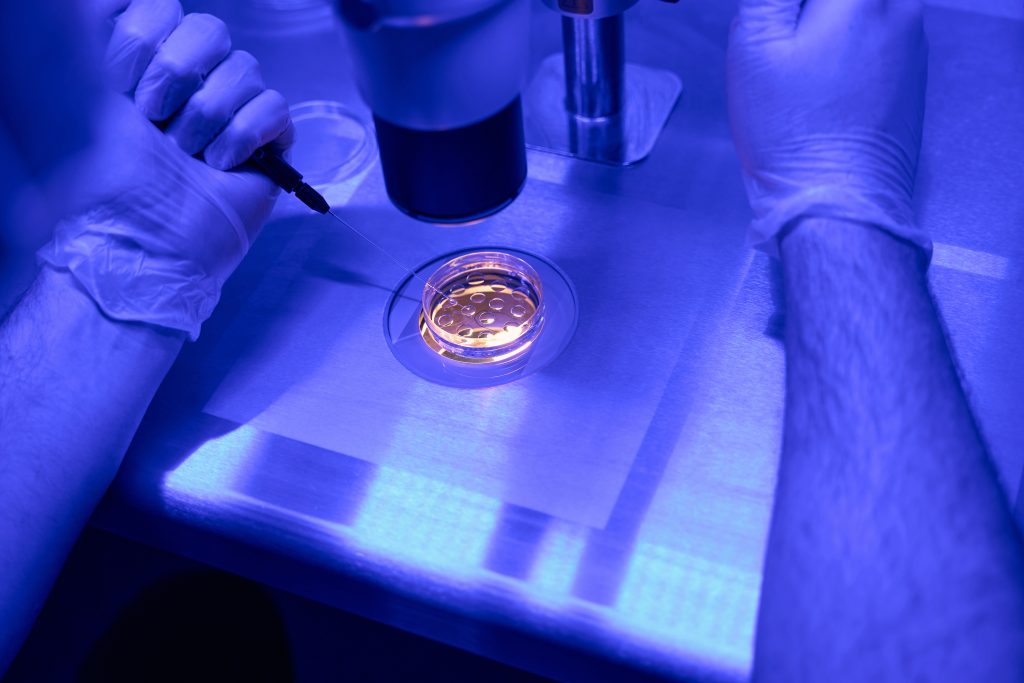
229, 86
137, 34
102, 15
283, 142
261, 121
782, 15
842, 15
180, 64
107, 10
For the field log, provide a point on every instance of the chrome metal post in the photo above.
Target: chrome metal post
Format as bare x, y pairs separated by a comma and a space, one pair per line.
595, 63
587, 102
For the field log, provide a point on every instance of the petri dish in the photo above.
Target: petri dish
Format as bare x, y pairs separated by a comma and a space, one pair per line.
480, 361
332, 143
482, 307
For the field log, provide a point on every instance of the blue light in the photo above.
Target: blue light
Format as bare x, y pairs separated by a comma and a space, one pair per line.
557, 562
425, 522
212, 470
690, 603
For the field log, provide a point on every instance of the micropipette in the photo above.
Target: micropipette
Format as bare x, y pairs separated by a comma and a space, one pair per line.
281, 173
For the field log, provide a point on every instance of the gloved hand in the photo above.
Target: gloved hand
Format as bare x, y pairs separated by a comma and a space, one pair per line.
826, 101
161, 230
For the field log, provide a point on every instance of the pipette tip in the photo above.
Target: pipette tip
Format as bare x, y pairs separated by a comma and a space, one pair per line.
311, 198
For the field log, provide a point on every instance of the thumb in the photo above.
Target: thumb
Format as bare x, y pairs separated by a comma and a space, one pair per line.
771, 14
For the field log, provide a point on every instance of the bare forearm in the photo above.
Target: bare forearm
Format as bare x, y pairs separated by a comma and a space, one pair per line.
892, 554
73, 387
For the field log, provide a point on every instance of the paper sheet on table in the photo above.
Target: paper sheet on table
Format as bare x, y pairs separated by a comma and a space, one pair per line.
317, 368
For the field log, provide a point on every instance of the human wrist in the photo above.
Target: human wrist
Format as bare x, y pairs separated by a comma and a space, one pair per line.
73, 363
69, 313
134, 274
776, 212
841, 244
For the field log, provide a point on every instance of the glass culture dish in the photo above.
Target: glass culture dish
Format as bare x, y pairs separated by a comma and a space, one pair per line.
482, 307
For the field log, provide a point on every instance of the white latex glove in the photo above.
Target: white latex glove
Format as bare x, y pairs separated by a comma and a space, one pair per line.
161, 230
826, 100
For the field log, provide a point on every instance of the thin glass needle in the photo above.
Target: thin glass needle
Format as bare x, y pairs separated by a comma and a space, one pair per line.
385, 252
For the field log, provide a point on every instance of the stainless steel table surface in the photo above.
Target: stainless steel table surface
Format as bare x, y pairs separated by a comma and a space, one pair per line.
636, 556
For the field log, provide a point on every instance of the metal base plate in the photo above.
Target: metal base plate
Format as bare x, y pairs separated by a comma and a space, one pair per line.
622, 140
